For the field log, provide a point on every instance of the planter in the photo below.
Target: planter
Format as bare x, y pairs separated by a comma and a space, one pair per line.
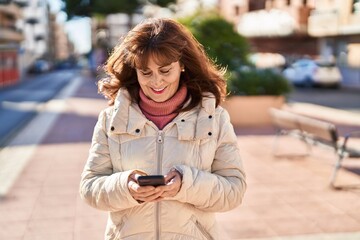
252, 111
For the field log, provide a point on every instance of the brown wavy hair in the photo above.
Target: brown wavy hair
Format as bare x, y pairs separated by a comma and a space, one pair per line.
167, 41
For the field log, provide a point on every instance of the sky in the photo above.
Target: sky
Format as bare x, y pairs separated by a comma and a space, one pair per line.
79, 29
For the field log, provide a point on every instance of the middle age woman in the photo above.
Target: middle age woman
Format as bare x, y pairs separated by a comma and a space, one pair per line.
164, 119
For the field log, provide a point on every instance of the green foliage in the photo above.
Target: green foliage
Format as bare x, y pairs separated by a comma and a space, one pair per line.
104, 7
229, 49
115, 6
250, 81
221, 42
77, 8
162, 3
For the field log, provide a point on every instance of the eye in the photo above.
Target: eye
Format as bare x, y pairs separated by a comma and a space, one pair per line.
145, 73
165, 71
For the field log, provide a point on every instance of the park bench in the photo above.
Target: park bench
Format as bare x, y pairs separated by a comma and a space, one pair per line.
312, 132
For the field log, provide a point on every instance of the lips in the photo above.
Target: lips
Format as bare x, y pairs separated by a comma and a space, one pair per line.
158, 90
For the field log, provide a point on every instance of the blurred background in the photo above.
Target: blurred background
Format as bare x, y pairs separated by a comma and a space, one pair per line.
42, 35
303, 56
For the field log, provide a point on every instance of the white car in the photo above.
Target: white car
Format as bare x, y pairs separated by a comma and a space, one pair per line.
307, 72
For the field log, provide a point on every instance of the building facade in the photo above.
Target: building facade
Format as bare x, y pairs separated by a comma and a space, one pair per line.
275, 26
337, 24
29, 31
325, 29
10, 39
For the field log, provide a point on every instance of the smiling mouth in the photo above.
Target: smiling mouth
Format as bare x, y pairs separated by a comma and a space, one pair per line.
158, 90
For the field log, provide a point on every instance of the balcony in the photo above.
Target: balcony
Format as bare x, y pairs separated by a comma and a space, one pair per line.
272, 23
323, 23
11, 10
327, 23
9, 35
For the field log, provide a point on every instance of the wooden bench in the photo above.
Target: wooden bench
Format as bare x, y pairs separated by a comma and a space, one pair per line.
314, 131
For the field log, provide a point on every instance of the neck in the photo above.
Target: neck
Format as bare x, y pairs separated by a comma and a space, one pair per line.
161, 113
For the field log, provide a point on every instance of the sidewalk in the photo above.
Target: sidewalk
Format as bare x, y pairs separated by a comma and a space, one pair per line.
286, 198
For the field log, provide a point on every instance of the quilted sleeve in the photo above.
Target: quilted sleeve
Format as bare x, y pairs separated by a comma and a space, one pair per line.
100, 187
223, 188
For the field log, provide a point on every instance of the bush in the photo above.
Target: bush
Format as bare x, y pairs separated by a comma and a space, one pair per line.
221, 42
250, 81
231, 50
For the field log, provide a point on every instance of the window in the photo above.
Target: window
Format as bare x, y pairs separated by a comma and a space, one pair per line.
256, 5
356, 7
237, 10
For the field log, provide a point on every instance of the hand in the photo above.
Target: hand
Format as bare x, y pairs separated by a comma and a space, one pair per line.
142, 193
173, 180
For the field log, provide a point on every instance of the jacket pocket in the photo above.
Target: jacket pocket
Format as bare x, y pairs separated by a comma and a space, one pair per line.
201, 228
115, 232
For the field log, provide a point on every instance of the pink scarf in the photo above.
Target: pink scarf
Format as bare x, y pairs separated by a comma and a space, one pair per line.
161, 113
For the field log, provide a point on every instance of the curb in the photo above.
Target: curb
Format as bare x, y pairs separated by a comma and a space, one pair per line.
14, 157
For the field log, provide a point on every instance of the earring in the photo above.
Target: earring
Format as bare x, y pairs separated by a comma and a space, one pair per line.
183, 70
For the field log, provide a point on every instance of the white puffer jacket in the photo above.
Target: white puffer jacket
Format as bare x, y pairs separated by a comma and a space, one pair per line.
200, 143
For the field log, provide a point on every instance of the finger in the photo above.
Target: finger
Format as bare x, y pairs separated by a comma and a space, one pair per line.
171, 188
132, 185
145, 193
157, 199
169, 194
166, 190
170, 175
137, 175
136, 190
150, 198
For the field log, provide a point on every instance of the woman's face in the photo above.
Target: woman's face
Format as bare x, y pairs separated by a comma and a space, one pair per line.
159, 83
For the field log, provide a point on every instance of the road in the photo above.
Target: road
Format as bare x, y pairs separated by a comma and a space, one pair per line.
20, 103
344, 98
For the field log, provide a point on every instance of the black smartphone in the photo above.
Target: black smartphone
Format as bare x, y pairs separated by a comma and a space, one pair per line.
151, 180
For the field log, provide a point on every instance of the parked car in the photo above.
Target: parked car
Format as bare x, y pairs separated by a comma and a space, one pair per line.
307, 72
40, 66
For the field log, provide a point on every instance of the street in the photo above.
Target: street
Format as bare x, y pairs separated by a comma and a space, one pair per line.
345, 98
18, 104
286, 198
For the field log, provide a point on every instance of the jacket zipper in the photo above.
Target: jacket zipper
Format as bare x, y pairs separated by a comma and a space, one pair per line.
159, 151
203, 231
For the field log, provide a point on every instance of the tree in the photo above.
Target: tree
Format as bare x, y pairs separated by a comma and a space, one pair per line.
92, 8
221, 42
230, 49
104, 7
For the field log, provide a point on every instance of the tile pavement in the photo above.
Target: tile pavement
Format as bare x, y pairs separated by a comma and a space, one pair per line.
287, 198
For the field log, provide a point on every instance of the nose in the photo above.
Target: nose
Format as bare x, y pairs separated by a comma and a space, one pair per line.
156, 80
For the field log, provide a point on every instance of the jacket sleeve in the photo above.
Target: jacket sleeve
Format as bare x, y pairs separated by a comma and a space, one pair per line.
223, 188
100, 187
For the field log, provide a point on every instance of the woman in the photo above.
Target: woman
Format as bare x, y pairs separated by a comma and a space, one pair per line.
164, 119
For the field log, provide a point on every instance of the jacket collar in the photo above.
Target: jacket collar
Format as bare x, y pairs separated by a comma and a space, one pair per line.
195, 124
124, 110
199, 123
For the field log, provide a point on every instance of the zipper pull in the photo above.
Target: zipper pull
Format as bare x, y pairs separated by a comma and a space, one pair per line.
160, 137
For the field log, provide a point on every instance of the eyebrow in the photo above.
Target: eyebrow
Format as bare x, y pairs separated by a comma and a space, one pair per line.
169, 65
147, 68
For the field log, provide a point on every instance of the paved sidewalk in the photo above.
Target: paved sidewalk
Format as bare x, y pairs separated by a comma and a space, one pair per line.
286, 198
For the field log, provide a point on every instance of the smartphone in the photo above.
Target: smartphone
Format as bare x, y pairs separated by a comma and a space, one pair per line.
151, 180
